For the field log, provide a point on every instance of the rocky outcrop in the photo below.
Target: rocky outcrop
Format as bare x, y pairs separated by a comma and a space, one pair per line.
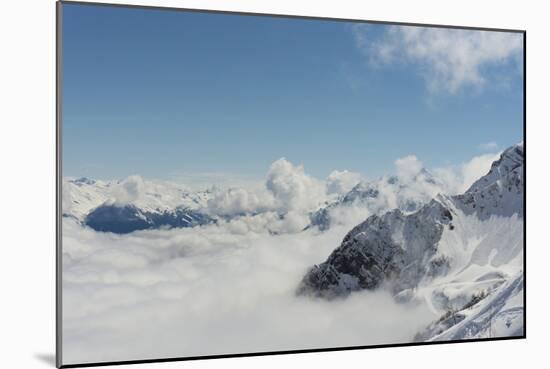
394, 248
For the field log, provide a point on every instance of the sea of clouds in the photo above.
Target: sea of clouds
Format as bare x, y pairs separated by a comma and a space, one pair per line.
229, 287
211, 290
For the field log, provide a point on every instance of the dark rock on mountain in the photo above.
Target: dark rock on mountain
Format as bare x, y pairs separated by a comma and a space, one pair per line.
128, 218
320, 218
82, 181
371, 253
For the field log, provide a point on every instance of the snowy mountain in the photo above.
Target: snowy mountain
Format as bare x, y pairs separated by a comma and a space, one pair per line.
461, 255
129, 218
406, 193
132, 204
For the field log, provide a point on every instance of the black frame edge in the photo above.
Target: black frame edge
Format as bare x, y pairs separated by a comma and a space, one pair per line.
525, 184
58, 182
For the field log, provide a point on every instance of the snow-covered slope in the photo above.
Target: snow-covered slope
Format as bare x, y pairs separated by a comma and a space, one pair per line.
495, 313
83, 194
406, 193
461, 255
500, 192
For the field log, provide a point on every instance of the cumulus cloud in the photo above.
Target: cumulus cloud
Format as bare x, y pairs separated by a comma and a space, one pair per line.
449, 59
211, 290
292, 188
459, 178
408, 166
287, 190
341, 182
453, 179
283, 202
476, 167
350, 215
235, 201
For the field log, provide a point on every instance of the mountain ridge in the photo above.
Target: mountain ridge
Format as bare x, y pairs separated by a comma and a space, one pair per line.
474, 235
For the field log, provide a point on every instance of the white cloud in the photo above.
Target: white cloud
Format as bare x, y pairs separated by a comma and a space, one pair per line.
477, 167
292, 188
459, 178
341, 182
408, 166
235, 201
211, 290
488, 146
66, 198
449, 59
288, 192
353, 214
129, 190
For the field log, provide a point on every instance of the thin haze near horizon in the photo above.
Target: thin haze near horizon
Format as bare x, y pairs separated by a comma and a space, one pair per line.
171, 95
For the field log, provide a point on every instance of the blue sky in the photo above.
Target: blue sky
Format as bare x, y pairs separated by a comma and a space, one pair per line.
166, 94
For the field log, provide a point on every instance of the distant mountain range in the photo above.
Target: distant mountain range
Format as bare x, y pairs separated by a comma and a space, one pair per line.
155, 205
96, 203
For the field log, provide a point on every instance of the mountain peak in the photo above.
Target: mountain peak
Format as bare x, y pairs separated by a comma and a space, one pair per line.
509, 164
500, 191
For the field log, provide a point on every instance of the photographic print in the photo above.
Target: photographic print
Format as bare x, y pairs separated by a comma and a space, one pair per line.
240, 184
